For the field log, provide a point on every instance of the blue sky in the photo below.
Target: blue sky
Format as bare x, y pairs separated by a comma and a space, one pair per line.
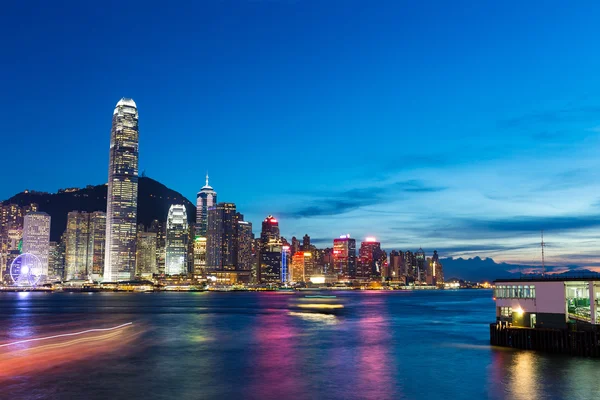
462, 126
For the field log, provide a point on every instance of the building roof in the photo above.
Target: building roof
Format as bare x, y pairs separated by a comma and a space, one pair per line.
125, 101
551, 278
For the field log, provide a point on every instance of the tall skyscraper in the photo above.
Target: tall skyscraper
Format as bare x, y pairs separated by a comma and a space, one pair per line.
344, 257
222, 240
396, 269
96, 245
421, 268
245, 240
371, 260
158, 227
84, 244
176, 240
206, 198
36, 238
121, 199
77, 245
145, 260
302, 266
270, 252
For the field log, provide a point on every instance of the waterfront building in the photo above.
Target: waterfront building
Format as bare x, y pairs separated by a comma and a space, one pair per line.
371, 260
97, 244
344, 257
205, 199
222, 240
121, 199
245, 238
77, 245
56, 260
36, 238
421, 269
302, 267
158, 227
435, 271
176, 247
410, 267
396, 270
548, 302
199, 255
271, 248
145, 260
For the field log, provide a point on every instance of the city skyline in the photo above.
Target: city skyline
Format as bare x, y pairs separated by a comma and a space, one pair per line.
473, 159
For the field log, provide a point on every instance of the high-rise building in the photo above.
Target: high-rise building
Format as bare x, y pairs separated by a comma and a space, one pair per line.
245, 240
158, 227
437, 270
372, 259
36, 238
344, 256
306, 246
199, 255
56, 260
176, 241
222, 240
270, 258
84, 244
77, 245
206, 198
302, 266
145, 260
421, 268
121, 199
396, 269
95, 264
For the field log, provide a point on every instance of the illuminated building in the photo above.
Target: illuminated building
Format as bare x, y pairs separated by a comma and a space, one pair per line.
420, 265
145, 259
245, 240
396, 270
344, 257
437, 271
121, 199
372, 259
306, 246
285, 256
410, 266
302, 266
85, 238
97, 243
176, 246
199, 255
206, 198
295, 247
56, 260
270, 252
222, 240
36, 238
77, 245
158, 227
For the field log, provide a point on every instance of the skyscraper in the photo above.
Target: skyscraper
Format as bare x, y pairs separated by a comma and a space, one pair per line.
344, 256
245, 239
206, 198
222, 240
176, 241
270, 251
121, 199
36, 238
371, 259
84, 244
96, 245
420, 265
302, 266
77, 245
145, 260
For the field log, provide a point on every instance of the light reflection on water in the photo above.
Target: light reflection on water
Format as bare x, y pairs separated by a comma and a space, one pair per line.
381, 345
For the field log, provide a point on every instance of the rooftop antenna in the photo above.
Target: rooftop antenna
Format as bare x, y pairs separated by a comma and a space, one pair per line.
543, 261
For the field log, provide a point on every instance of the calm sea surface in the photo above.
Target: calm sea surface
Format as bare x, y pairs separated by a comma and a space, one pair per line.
383, 345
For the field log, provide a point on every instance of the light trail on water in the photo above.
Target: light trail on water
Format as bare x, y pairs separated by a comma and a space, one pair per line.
67, 334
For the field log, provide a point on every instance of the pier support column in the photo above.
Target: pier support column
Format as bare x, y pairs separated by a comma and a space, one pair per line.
592, 293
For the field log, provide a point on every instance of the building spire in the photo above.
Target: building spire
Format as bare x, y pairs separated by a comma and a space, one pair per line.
206, 178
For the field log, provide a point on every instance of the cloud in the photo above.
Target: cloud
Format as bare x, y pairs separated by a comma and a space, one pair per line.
332, 203
534, 224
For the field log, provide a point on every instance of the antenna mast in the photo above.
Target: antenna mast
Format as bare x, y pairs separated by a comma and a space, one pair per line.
543, 261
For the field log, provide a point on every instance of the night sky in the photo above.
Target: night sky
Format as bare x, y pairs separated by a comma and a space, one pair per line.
461, 126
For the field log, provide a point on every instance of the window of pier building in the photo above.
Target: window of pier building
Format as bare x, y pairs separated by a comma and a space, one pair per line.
514, 292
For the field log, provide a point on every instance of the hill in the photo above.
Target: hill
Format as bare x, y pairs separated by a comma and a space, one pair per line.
154, 200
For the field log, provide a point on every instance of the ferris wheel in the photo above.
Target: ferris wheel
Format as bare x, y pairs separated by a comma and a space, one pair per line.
26, 270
